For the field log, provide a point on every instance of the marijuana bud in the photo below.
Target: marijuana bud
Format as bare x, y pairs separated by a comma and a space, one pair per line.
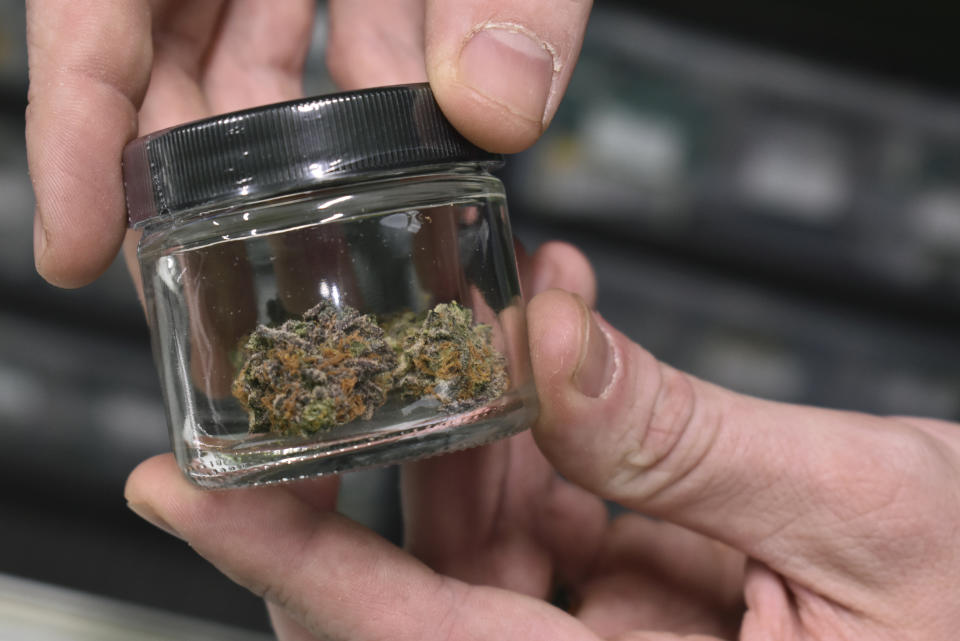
398, 326
444, 355
311, 374
335, 365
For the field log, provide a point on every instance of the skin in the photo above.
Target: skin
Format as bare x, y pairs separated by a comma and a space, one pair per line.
748, 519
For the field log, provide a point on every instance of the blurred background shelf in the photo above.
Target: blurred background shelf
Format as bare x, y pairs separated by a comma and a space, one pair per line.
770, 195
39, 612
759, 161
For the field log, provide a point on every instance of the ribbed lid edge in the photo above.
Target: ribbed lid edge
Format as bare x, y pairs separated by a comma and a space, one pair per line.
287, 146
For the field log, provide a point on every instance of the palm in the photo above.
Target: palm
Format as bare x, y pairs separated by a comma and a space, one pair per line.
501, 516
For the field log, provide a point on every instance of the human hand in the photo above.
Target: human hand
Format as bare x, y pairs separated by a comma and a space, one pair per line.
776, 521
103, 72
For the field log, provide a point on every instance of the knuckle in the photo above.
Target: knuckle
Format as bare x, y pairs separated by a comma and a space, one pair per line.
283, 598
452, 602
667, 438
672, 412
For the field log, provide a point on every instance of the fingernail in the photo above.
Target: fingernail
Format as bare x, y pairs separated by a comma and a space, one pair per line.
146, 513
39, 239
597, 363
510, 67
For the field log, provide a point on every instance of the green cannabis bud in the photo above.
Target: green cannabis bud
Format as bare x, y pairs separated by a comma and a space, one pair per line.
331, 367
446, 356
398, 326
336, 365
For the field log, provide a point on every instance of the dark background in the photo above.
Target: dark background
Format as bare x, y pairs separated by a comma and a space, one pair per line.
769, 191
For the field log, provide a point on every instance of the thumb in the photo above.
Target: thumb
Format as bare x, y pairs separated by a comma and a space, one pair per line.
499, 67
827, 497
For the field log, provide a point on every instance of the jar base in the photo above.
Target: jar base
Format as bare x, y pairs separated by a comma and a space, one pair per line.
213, 466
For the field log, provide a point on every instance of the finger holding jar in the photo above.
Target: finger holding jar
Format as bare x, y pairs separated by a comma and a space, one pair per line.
102, 73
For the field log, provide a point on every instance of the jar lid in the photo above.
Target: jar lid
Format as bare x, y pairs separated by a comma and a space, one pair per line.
285, 147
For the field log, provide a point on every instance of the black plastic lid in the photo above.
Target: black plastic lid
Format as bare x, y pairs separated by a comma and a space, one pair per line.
289, 146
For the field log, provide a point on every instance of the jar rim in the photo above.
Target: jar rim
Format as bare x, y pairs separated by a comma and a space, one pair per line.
290, 146
341, 187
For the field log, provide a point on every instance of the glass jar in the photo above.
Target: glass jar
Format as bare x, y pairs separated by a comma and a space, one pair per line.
330, 284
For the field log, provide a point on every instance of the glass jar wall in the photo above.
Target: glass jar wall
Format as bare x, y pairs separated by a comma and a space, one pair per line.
340, 328
330, 284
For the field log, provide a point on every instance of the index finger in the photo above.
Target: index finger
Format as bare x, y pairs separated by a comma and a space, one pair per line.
89, 69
